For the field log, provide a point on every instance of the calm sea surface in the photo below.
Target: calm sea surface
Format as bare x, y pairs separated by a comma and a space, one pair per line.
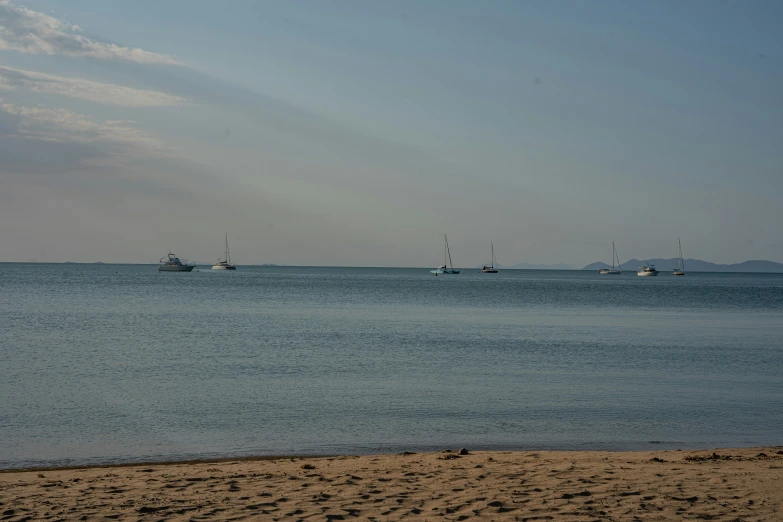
117, 363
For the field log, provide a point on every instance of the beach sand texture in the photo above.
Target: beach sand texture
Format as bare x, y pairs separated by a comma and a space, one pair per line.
736, 484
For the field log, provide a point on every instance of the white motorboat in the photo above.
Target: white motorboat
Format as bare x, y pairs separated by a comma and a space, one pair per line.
172, 263
647, 271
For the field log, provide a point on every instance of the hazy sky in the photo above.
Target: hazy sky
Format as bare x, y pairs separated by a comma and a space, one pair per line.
357, 133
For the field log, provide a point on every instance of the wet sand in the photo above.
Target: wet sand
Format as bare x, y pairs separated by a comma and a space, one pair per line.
726, 484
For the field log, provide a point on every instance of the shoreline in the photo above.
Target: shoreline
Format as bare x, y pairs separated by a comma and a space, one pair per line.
300, 456
713, 484
183, 462
255, 458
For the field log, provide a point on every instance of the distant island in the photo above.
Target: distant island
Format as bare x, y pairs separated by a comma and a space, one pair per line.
696, 265
691, 265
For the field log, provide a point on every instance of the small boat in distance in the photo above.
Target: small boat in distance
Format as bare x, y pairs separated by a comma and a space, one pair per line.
172, 263
613, 270
226, 264
680, 270
445, 268
491, 269
646, 271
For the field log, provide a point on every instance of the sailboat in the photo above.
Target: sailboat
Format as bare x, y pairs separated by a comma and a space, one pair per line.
613, 270
445, 268
491, 268
225, 264
680, 270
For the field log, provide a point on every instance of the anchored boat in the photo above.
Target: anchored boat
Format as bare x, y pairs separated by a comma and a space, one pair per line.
680, 270
446, 268
491, 269
225, 264
646, 271
613, 270
172, 263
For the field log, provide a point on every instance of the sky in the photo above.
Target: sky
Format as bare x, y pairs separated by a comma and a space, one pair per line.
357, 133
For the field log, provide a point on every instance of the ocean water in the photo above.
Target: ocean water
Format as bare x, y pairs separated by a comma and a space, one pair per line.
120, 363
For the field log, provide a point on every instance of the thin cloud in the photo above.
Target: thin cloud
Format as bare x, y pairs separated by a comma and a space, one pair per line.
107, 93
5, 84
64, 126
29, 31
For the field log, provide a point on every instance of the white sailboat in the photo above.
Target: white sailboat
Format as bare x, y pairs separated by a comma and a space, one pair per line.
613, 270
680, 270
226, 263
445, 268
491, 269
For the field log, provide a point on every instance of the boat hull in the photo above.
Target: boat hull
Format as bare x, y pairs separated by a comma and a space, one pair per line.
179, 268
489, 271
678, 273
606, 271
647, 274
221, 267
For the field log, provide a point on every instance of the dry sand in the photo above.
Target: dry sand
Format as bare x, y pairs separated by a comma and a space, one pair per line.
739, 484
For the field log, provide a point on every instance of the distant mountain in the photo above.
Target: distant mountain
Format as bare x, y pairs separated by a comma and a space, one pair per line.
528, 266
696, 265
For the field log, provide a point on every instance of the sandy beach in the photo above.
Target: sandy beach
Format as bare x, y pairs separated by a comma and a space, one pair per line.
726, 484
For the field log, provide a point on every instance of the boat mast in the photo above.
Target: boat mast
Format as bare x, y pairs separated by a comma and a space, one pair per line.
680, 264
619, 266
448, 252
613, 255
493, 254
